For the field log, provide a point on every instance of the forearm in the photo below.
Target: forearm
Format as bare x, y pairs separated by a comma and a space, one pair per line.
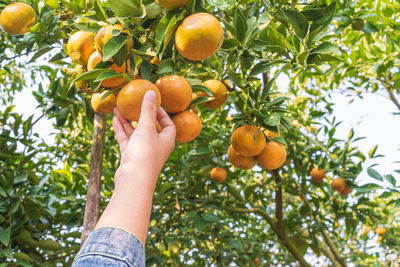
130, 205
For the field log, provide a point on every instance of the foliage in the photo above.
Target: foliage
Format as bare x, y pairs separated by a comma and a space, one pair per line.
279, 217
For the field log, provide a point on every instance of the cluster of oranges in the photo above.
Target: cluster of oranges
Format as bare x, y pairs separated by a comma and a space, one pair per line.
337, 184
249, 146
198, 37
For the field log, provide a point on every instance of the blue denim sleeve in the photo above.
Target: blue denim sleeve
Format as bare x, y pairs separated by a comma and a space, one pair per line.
110, 247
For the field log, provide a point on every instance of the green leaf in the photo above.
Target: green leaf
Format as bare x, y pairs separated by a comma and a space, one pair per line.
298, 22
114, 45
390, 178
22, 177
127, 8
5, 234
166, 66
326, 48
40, 53
325, 19
100, 13
374, 174
107, 75
240, 25
272, 119
202, 88
210, 217
222, 4
89, 75
371, 153
166, 23
264, 66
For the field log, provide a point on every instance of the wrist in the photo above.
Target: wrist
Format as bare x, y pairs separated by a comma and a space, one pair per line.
132, 178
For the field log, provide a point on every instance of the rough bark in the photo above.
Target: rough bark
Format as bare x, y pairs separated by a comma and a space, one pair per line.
93, 189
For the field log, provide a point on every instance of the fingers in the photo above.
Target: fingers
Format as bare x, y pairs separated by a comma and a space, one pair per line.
149, 111
168, 127
120, 134
125, 123
164, 120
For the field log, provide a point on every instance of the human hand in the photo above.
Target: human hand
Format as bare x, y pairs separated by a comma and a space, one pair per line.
144, 151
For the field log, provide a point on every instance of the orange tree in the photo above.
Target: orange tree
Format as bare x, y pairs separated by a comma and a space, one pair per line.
255, 216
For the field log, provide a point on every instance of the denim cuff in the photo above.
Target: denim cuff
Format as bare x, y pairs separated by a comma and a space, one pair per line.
113, 243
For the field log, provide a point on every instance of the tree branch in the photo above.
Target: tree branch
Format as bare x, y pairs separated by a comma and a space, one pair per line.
96, 163
283, 238
278, 201
326, 237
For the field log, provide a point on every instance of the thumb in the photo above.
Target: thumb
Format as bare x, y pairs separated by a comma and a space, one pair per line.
148, 113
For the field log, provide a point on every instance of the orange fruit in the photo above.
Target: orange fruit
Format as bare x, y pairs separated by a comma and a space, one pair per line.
218, 174
248, 140
199, 36
80, 46
106, 33
17, 18
273, 156
96, 58
317, 175
239, 161
379, 239
346, 191
229, 119
338, 184
176, 93
219, 92
106, 106
172, 4
130, 98
380, 230
188, 126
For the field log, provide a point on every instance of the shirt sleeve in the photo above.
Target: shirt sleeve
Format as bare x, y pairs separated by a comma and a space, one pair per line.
110, 247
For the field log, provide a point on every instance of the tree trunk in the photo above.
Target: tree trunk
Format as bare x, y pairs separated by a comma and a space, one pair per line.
93, 190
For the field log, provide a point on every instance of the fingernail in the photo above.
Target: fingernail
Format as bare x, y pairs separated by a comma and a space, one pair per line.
150, 95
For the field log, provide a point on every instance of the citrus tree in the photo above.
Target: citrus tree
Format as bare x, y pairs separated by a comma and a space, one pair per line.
213, 205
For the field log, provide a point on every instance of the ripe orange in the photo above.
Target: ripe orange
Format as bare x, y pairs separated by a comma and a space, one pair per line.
338, 184
199, 36
80, 47
380, 230
317, 175
188, 126
239, 161
176, 93
273, 156
17, 18
218, 174
219, 92
130, 98
346, 191
96, 58
248, 140
172, 4
106, 33
106, 106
